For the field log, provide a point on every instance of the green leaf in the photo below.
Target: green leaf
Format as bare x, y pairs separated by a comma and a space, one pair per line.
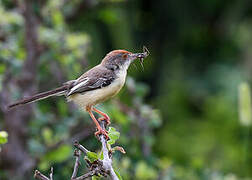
92, 156
113, 135
118, 148
111, 141
3, 137
118, 175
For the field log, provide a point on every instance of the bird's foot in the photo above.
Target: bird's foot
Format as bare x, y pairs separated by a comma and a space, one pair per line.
100, 132
107, 119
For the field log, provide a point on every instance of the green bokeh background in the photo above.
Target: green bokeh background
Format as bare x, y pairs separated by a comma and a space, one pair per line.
186, 116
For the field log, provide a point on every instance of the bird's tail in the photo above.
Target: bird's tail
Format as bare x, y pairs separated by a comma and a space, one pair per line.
55, 92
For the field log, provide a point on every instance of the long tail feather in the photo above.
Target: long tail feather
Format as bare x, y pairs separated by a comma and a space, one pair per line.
55, 92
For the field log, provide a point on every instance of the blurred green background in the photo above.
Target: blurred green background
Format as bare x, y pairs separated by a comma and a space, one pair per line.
186, 116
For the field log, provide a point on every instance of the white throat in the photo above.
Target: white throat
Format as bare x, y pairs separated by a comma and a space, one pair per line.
126, 65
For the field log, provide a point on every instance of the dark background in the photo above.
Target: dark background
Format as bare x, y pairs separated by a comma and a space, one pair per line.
186, 116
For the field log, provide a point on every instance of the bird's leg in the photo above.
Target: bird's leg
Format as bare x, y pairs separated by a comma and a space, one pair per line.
100, 130
105, 116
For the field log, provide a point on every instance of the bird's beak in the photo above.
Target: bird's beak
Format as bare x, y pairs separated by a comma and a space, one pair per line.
141, 56
137, 55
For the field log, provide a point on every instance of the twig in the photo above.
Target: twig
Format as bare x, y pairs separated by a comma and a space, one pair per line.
39, 175
107, 161
77, 154
80, 147
87, 175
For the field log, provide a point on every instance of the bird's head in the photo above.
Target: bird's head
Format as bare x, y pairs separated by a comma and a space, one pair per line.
121, 59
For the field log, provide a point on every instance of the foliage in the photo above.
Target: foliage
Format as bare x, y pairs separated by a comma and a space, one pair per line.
187, 115
3, 138
113, 135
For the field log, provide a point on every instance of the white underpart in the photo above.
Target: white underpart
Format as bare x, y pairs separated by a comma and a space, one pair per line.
96, 96
126, 65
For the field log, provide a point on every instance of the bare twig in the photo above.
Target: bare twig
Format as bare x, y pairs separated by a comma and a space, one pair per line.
80, 147
40, 176
87, 175
77, 154
107, 161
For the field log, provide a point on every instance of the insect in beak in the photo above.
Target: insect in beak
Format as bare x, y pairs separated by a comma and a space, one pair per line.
144, 55
141, 56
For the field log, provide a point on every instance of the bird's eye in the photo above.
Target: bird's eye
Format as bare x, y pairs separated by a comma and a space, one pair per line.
125, 56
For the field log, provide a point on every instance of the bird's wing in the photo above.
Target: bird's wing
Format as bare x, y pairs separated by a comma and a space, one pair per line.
95, 79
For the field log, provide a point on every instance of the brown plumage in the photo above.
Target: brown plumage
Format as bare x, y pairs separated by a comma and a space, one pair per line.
39, 96
95, 86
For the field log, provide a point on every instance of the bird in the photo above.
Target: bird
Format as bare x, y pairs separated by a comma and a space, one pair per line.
95, 86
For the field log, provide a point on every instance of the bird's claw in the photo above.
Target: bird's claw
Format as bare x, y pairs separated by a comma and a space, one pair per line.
100, 132
105, 119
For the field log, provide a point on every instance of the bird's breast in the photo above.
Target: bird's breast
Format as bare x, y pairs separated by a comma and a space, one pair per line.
96, 96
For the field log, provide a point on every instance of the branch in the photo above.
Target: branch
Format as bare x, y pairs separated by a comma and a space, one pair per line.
102, 167
87, 175
99, 167
77, 154
80, 147
107, 161
40, 176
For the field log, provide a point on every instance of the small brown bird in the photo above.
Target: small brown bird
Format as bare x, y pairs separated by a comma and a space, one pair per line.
96, 85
